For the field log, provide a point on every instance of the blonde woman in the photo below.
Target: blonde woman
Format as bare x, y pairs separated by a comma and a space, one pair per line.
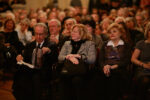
79, 47
113, 61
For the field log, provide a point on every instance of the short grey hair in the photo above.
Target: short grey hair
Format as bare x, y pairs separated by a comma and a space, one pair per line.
42, 25
120, 18
55, 20
72, 19
25, 21
106, 20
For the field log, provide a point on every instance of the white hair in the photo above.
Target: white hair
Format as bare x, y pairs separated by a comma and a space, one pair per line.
55, 20
120, 18
41, 25
72, 19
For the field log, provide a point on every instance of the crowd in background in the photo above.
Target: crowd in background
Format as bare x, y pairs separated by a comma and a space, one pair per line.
116, 47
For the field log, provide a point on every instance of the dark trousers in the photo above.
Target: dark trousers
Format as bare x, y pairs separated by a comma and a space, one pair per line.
37, 86
115, 87
72, 88
31, 86
142, 88
22, 86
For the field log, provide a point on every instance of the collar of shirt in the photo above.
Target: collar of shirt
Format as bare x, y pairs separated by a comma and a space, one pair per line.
57, 36
110, 43
40, 44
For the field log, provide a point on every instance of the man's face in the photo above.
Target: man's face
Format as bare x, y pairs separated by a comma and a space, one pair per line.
89, 28
54, 28
138, 19
130, 24
69, 24
39, 34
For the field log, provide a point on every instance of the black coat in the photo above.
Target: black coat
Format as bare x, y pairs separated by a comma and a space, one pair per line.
12, 38
48, 58
7, 58
29, 83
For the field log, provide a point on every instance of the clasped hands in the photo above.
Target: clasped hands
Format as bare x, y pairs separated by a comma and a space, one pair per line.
73, 58
107, 69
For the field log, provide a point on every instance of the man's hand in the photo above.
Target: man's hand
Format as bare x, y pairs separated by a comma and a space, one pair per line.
7, 44
66, 32
46, 50
54, 39
19, 58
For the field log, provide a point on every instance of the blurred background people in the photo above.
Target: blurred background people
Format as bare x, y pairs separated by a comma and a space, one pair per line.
25, 36
11, 36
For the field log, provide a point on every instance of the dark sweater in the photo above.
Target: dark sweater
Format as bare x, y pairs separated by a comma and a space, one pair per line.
119, 55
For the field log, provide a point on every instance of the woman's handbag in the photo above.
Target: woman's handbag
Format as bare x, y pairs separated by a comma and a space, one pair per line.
70, 69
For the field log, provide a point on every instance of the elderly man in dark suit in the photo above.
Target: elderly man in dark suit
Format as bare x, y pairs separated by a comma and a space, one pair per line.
30, 83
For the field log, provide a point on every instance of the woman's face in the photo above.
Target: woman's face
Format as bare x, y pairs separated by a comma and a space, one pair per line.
23, 26
114, 34
75, 35
9, 25
33, 22
68, 24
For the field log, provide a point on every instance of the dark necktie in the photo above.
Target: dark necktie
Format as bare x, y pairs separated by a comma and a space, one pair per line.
36, 53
